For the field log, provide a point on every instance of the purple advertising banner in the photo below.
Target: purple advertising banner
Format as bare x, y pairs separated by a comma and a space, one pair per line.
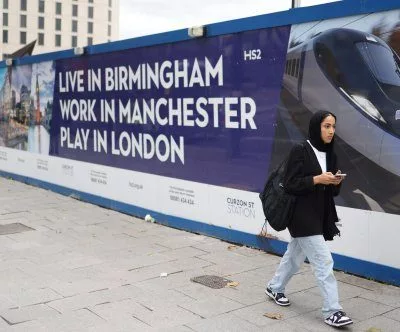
202, 110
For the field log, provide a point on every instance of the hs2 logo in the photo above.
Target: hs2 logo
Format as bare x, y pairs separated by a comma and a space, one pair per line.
252, 54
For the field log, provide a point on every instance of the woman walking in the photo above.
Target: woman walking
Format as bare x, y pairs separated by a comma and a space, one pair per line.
312, 175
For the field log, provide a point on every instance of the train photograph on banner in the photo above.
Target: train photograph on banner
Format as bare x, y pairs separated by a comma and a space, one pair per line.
350, 66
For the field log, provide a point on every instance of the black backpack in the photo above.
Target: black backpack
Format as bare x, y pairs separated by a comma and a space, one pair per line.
278, 205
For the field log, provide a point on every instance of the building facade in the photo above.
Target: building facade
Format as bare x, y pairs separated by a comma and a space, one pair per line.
56, 24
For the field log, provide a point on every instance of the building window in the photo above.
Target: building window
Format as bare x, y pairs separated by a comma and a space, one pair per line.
5, 19
109, 16
5, 4
74, 26
22, 37
90, 1
90, 12
41, 22
109, 31
5, 36
74, 41
58, 40
90, 27
41, 6
23, 4
109, 3
90, 41
58, 8
22, 21
41, 38
58, 24
75, 10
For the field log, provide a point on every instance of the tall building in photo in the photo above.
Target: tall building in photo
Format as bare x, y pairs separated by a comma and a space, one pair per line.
38, 115
56, 24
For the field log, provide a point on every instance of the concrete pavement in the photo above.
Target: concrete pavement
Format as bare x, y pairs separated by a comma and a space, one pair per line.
85, 268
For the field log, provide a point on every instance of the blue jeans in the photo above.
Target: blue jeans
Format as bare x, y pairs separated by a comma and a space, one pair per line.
316, 250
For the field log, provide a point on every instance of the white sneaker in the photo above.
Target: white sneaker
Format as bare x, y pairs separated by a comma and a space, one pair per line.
338, 319
279, 298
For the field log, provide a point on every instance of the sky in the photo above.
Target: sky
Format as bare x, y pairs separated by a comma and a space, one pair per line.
145, 17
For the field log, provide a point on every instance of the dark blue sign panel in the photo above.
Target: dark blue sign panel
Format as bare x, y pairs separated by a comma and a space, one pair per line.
202, 110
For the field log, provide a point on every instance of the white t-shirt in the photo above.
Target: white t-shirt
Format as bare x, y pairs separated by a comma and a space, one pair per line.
321, 156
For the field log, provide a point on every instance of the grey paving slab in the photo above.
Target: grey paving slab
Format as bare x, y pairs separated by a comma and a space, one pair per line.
311, 321
346, 291
66, 258
209, 244
13, 264
211, 307
79, 320
177, 242
102, 273
154, 315
393, 314
74, 288
253, 277
186, 252
227, 322
6, 303
22, 214
119, 316
5, 244
230, 256
361, 309
31, 326
171, 233
226, 268
378, 324
85, 300
24, 297
359, 282
245, 251
169, 316
255, 313
283, 326
244, 293
181, 328
162, 298
28, 313
14, 278
43, 238
388, 295
124, 257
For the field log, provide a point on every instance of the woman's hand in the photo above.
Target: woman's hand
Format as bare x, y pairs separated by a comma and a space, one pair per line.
327, 178
338, 178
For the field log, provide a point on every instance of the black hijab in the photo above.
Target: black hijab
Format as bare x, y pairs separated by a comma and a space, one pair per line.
314, 131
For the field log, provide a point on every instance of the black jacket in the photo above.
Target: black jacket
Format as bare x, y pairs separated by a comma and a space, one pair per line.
315, 211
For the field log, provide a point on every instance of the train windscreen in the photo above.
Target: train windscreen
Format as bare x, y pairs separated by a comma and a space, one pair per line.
385, 66
381, 60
